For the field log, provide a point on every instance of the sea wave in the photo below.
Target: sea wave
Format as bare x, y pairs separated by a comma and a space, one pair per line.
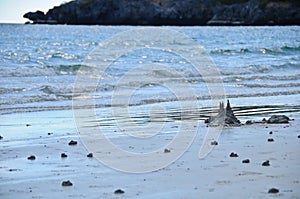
36, 71
263, 50
261, 78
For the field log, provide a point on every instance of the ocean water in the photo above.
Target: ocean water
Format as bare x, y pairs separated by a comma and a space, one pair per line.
259, 66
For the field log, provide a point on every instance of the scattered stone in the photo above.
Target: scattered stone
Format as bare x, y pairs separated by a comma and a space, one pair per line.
246, 161
28, 125
224, 116
264, 120
298, 136
266, 163
233, 155
72, 142
214, 143
273, 190
1, 137
10, 170
167, 150
119, 191
63, 155
278, 119
50, 133
270, 140
67, 183
270, 132
32, 157
249, 122
90, 155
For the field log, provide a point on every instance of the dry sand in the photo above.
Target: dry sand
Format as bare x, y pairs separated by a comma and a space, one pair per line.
216, 176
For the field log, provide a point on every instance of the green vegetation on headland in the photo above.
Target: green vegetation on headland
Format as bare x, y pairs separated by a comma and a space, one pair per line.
172, 12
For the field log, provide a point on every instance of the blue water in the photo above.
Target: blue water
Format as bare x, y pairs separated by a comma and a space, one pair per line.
39, 63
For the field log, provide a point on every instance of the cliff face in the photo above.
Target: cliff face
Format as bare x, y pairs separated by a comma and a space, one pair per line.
171, 12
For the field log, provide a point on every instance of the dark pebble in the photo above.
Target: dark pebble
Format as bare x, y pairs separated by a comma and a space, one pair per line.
67, 183
273, 190
167, 151
90, 155
246, 161
266, 127
266, 163
270, 132
28, 125
248, 122
270, 140
63, 155
1, 137
214, 143
50, 133
32, 157
233, 155
119, 191
72, 142
298, 136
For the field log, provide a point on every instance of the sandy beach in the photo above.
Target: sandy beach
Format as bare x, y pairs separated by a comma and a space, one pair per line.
46, 136
143, 87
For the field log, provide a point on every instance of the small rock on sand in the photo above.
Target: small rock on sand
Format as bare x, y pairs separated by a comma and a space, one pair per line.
32, 157
266, 163
214, 143
72, 142
298, 136
67, 183
270, 140
270, 132
249, 122
273, 190
90, 155
119, 191
63, 155
1, 137
233, 155
167, 150
246, 161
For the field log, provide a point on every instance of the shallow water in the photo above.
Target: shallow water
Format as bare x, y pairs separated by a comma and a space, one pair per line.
39, 64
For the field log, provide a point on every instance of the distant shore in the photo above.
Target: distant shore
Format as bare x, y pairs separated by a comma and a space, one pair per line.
171, 12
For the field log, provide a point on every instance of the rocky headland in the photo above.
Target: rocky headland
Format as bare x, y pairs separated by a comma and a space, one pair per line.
171, 12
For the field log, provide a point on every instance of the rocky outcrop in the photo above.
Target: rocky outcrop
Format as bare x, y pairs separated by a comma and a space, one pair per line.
224, 117
171, 12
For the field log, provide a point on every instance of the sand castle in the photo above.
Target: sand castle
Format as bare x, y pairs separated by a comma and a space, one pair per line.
224, 117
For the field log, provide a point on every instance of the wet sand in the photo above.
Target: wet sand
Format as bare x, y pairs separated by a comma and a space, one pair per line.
217, 176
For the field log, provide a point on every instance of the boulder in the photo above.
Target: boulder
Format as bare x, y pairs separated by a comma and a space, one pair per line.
278, 119
38, 15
